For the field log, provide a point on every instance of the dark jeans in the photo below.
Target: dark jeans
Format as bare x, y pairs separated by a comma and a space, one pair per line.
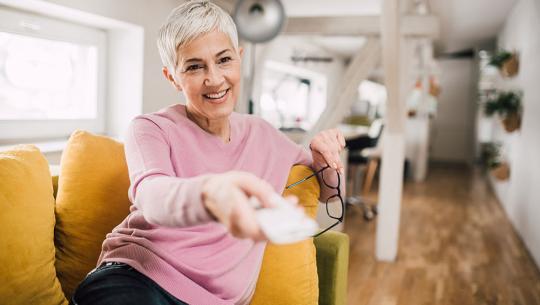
120, 284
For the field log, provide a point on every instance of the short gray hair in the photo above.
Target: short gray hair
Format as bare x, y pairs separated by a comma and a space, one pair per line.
189, 21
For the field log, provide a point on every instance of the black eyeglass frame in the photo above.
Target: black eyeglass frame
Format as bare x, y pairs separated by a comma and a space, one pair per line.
337, 195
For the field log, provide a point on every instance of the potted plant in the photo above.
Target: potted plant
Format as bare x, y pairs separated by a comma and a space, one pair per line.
507, 62
507, 105
492, 160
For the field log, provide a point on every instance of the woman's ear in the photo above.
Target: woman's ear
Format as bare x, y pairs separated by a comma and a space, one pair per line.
170, 78
241, 52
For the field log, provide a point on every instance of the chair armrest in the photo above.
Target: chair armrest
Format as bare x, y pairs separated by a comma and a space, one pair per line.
332, 267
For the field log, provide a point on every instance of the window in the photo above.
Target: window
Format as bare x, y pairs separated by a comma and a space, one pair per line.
292, 97
372, 99
44, 79
51, 77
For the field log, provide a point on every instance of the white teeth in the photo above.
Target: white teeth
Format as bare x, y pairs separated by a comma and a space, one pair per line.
216, 95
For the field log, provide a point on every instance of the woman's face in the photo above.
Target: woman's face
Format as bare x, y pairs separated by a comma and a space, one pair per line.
208, 72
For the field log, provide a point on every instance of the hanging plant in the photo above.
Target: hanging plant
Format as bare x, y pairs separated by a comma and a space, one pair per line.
508, 106
493, 161
490, 154
507, 62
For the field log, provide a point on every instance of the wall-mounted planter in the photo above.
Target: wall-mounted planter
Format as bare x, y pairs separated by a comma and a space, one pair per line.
510, 67
501, 172
507, 105
507, 62
511, 122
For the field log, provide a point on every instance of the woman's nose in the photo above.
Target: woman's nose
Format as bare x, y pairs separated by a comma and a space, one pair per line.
214, 76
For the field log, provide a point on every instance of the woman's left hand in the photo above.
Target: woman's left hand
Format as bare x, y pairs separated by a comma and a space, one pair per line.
325, 148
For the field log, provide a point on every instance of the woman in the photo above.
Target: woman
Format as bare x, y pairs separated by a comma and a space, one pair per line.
191, 235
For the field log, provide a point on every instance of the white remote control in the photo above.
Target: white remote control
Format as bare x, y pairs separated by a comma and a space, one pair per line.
284, 223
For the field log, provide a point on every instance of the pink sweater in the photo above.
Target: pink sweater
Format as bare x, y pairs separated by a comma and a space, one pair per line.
168, 235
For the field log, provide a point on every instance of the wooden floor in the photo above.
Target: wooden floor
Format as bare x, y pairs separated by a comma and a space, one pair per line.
456, 247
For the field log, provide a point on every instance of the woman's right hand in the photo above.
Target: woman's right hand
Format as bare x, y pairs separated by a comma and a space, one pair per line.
226, 197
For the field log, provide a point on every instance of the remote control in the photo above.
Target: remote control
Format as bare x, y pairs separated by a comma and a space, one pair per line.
284, 223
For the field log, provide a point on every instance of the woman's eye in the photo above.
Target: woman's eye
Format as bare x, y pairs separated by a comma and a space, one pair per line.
225, 59
193, 67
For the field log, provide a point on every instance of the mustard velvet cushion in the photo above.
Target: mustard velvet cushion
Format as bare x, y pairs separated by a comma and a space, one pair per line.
289, 272
91, 200
27, 273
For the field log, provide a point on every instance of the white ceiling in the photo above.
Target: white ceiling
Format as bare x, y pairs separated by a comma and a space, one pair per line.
464, 23
342, 46
468, 23
331, 7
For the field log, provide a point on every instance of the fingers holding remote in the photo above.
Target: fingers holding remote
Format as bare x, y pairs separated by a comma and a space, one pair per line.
226, 197
243, 223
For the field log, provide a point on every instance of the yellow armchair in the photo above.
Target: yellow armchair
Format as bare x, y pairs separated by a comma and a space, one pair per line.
69, 218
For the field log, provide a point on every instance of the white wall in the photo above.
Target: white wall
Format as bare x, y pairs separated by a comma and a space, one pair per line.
157, 93
452, 133
520, 195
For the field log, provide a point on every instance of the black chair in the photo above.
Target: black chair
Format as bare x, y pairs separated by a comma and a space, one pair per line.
356, 160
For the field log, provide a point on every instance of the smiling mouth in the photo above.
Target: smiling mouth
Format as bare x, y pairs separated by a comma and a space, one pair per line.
217, 95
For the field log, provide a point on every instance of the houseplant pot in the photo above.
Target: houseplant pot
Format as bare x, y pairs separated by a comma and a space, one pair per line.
511, 122
507, 105
493, 161
507, 62
510, 67
501, 172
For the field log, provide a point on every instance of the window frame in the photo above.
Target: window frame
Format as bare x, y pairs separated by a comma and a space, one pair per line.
33, 25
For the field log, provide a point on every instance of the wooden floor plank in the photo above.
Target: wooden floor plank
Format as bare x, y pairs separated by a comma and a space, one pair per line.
457, 247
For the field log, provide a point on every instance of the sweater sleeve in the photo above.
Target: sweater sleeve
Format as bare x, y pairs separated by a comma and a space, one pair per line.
163, 198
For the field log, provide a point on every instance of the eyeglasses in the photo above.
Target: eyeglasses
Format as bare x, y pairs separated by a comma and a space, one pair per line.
338, 217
